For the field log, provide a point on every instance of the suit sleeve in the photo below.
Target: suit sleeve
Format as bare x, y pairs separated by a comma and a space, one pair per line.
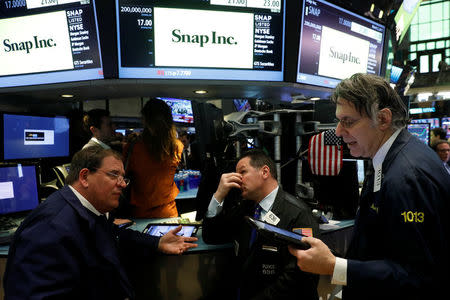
46, 266
135, 243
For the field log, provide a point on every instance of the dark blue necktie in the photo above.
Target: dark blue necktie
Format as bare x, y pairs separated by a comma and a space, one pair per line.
256, 216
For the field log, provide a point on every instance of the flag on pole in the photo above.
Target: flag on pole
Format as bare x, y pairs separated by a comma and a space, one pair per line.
325, 153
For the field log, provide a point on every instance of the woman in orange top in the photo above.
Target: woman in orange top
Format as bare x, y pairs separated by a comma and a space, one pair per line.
153, 163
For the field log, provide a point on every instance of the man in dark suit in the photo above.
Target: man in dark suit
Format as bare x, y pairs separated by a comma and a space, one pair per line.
265, 268
67, 248
400, 244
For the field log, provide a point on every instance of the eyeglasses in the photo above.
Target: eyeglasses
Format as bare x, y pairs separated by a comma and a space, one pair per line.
347, 123
119, 178
444, 150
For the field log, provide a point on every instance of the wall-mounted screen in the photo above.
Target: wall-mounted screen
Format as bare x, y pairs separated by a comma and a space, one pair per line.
395, 74
336, 43
446, 125
44, 42
434, 122
34, 137
18, 188
422, 131
197, 39
181, 110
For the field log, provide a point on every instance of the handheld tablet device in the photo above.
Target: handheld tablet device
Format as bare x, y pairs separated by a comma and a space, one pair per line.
281, 235
162, 229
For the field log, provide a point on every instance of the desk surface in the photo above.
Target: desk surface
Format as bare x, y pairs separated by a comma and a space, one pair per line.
140, 225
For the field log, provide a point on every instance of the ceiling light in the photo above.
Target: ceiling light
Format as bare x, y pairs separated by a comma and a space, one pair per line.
67, 96
314, 98
201, 92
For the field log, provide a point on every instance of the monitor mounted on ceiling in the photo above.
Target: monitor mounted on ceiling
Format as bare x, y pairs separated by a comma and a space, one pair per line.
336, 43
212, 40
44, 42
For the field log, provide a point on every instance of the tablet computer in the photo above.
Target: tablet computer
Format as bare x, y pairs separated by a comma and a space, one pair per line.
162, 229
281, 235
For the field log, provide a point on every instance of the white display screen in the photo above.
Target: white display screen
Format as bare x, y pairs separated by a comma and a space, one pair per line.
336, 43
42, 44
197, 39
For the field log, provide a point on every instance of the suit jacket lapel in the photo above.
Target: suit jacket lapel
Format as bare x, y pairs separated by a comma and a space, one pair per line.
104, 241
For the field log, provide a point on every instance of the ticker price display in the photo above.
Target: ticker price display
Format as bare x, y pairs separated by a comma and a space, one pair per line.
268, 4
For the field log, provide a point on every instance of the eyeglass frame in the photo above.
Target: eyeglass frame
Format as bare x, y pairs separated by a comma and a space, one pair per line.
345, 123
116, 176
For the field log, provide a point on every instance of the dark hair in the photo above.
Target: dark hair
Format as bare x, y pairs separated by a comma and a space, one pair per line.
159, 133
94, 118
90, 158
370, 94
439, 132
437, 143
259, 159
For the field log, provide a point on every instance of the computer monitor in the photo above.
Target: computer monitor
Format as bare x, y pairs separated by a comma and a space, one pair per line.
18, 188
395, 74
197, 39
35, 137
446, 125
335, 43
434, 122
420, 130
181, 110
242, 104
47, 42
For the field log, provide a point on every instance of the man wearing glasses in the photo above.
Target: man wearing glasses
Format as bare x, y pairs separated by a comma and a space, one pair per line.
400, 244
68, 249
442, 148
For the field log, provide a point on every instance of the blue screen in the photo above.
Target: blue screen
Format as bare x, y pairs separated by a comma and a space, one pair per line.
422, 131
28, 137
434, 122
395, 73
18, 189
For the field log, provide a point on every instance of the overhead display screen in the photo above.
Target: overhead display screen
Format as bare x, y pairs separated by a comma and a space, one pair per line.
44, 42
336, 43
197, 39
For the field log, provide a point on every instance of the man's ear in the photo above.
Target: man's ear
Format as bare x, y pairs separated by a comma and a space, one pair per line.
93, 130
265, 171
384, 118
82, 177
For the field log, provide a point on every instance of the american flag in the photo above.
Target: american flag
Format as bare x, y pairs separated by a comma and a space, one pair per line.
325, 153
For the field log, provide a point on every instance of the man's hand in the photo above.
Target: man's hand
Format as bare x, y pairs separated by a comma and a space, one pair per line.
227, 182
171, 243
318, 259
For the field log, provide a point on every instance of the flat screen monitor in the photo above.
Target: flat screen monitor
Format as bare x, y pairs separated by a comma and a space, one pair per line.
446, 125
336, 43
198, 39
45, 42
421, 130
181, 110
395, 74
403, 18
18, 188
241, 105
434, 122
34, 137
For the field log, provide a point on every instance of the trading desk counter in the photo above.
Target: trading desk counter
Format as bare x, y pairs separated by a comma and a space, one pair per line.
204, 272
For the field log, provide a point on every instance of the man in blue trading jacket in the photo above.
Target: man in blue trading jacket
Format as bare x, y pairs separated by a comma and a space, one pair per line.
400, 248
268, 271
67, 249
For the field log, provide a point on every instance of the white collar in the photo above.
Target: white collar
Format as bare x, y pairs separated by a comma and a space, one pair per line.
381, 153
100, 143
267, 203
86, 203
